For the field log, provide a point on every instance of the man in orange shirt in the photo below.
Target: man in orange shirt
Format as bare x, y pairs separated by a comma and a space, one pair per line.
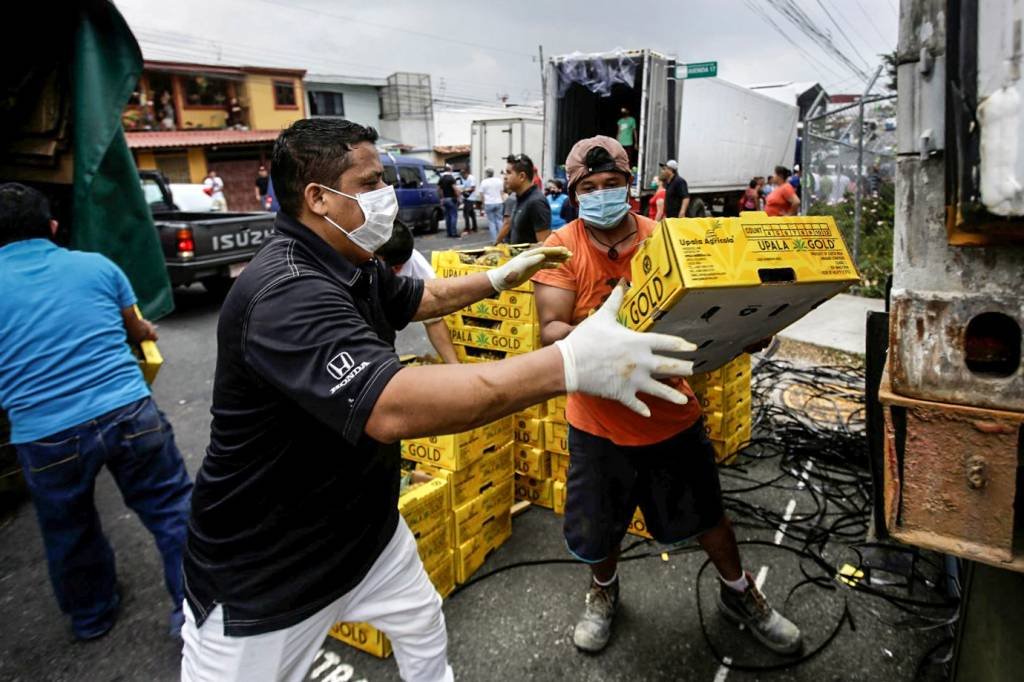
663, 461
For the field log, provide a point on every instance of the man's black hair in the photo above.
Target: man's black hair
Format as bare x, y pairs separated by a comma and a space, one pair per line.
782, 172
398, 249
313, 150
521, 163
753, 183
24, 214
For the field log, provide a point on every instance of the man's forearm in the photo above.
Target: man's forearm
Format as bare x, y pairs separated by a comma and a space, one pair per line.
445, 295
441, 340
684, 207
505, 228
555, 331
435, 400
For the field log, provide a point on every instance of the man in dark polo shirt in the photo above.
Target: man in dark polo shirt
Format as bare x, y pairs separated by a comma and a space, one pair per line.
677, 192
294, 514
531, 217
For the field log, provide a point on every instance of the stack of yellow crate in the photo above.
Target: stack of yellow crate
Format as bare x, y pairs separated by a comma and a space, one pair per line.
724, 395
556, 440
425, 506
494, 328
478, 467
534, 480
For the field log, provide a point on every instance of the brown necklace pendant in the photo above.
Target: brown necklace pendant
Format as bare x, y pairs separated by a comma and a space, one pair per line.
613, 253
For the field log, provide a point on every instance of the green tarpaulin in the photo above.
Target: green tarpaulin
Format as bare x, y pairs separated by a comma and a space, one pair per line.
110, 213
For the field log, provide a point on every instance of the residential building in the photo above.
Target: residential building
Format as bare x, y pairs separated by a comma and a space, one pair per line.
407, 113
187, 119
351, 97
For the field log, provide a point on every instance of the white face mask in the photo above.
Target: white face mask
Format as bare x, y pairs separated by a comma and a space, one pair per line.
380, 208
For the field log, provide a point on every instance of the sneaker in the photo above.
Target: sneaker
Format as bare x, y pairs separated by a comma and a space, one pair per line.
595, 625
752, 609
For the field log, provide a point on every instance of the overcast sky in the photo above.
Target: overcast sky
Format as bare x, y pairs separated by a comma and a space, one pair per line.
476, 51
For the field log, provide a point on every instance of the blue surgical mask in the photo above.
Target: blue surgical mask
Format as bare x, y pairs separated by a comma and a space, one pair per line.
605, 208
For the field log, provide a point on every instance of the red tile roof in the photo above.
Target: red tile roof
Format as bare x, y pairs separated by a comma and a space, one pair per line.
156, 139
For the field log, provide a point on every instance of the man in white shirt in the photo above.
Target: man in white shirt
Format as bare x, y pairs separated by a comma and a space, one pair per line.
214, 187
491, 190
399, 255
470, 196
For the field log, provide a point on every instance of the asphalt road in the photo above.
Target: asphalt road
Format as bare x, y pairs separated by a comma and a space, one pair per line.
516, 625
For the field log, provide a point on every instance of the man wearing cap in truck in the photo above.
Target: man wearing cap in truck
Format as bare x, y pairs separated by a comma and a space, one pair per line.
664, 463
294, 517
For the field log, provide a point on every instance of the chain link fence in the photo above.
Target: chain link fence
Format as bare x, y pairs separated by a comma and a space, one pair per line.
848, 170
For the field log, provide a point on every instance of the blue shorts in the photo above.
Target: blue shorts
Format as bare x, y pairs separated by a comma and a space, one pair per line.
674, 482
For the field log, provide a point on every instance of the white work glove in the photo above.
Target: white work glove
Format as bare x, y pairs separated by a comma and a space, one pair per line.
603, 358
524, 266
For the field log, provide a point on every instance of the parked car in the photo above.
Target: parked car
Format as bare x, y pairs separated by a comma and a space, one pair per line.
415, 183
203, 246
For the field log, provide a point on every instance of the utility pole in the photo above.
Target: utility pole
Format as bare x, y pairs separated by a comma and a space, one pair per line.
544, 104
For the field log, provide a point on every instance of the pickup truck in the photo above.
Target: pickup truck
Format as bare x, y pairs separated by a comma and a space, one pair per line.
211, 248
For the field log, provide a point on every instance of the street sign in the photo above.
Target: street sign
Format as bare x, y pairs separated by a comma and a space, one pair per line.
698, 70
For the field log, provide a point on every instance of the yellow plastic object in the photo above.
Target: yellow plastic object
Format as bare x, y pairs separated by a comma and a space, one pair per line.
637, 526
150, 359
726, 283
849, 575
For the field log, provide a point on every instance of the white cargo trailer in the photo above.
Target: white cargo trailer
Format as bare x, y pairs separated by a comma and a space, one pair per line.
721, 134
495, 140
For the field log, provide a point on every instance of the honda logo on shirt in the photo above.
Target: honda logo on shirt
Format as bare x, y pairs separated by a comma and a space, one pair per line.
340, 365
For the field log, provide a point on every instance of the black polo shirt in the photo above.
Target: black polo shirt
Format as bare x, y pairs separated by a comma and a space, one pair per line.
675, 192
294, 502
531, 215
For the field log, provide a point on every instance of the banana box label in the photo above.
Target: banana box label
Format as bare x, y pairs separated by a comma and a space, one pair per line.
556, 436
460, 450
424, 505
532, 461
725, 283
529, 431
536, 491
637, 526
514, 306
559, 467
364, 637
558, 494
486, 339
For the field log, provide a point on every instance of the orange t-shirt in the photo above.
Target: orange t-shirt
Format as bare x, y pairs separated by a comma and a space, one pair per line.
778, 201
592, 275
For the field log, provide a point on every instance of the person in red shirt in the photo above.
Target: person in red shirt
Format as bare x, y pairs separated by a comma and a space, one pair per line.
783, 200
657, 207
619, 458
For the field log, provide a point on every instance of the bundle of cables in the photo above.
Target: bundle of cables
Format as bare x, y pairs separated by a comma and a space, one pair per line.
809, 422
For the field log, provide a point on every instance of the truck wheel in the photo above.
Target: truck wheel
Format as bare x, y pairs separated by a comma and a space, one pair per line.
218, 286
698, 209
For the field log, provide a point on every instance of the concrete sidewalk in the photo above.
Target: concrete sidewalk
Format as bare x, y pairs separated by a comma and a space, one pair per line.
835, 327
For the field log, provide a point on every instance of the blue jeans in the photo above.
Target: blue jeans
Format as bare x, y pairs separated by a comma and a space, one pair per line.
136, 444
495, 216
451, 216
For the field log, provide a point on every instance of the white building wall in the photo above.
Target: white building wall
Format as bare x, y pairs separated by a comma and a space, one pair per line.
362, 102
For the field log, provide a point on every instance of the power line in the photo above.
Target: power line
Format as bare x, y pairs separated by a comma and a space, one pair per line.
842, 33
796, 16
778, 29
871, 21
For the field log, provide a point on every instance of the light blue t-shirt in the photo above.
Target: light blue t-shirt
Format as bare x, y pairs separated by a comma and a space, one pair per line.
556, 202
64, 356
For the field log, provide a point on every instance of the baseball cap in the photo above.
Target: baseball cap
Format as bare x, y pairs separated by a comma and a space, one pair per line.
671, 163
595, 155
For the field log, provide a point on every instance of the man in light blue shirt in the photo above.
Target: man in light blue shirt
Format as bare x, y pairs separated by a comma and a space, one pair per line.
77, 401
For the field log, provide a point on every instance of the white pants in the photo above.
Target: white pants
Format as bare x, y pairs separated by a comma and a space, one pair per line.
396, 597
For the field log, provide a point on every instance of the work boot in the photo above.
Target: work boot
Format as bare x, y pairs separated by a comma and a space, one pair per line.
595, 625
751, 608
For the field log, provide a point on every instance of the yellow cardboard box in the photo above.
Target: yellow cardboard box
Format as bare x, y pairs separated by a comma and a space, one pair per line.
532, 462
638, 526
556, 406
556, 436
443, 577
458, 451
538, 411
724, 425
469, 519
529, 431
559, 467
362, 636
538, 491
433, 548
734, 375
523, 330
726, 450
453, 263
471, 482
558, 492
508, 305
470, 354
471, 554
724, 398
150, 359
725, 283
424, 504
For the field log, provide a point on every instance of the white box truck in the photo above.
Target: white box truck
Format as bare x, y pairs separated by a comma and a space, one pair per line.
721, 134
494, 140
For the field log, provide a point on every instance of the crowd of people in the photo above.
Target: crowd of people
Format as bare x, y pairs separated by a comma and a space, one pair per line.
309, 403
